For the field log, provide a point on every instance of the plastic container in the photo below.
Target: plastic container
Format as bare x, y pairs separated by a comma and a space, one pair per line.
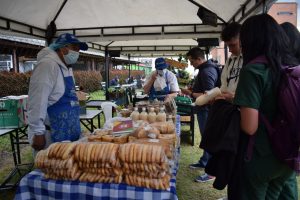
161, 116
135, 115
170, 119
208, 96
152, 116
144, 115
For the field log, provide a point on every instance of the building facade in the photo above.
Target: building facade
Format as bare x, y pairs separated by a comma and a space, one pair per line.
281, 12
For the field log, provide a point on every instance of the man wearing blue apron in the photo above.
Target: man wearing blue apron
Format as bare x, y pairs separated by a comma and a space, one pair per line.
161, 84
53, 113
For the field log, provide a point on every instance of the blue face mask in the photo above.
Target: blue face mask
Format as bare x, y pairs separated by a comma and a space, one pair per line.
71, 57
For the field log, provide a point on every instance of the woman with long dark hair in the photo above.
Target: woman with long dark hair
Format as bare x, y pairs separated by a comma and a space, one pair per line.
263, 40
294, 37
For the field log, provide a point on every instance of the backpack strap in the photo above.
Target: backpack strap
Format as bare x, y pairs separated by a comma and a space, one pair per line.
250, 147
259, 59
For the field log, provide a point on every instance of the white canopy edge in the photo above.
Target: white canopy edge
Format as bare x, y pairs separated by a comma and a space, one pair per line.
131, 26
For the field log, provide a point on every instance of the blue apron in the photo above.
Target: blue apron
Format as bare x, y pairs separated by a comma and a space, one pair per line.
64, 114
160, 95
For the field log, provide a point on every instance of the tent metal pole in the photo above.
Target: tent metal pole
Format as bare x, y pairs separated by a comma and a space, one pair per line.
129, 69
106, 72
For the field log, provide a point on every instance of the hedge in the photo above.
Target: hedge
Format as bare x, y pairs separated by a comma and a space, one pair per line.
123, 74
89, 81
12, 83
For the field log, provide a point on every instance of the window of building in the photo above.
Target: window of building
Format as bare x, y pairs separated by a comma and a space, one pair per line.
284, 13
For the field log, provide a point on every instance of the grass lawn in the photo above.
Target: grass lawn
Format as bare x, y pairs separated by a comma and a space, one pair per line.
187, 189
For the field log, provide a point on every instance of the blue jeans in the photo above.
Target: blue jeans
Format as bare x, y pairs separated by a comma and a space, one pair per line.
202, 118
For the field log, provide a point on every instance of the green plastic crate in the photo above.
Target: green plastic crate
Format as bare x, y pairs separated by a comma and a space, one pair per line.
183, 104
13, 112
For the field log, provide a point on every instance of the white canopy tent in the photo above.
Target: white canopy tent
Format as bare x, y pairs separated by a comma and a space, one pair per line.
136, 27
133, 27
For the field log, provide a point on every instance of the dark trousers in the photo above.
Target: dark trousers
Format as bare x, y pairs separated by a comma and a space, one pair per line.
202, 118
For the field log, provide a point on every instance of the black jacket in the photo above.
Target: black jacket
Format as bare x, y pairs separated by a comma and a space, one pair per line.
223, 139
205, 80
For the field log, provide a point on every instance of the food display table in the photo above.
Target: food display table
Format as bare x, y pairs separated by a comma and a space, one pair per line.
95, 104
35, 186
17, 136
87, 119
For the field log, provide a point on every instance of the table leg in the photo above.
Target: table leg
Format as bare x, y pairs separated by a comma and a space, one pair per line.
99, 125
18, 146
92, 125
13, 147
86, 125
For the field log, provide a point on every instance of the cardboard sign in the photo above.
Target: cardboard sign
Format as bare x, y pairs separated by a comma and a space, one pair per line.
122, 126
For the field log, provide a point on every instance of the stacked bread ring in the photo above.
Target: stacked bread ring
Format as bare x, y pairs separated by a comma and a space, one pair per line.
57, 161
145, 165
98, 162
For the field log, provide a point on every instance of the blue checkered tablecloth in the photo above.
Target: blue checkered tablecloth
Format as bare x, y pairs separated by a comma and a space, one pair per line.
35, 186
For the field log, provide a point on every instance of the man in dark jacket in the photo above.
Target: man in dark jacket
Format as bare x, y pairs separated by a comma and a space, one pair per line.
205, 80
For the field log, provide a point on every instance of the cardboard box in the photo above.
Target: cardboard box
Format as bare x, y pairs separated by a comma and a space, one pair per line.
13, 111
120, 127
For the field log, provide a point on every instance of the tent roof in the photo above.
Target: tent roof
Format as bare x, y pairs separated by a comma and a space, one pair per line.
135, 27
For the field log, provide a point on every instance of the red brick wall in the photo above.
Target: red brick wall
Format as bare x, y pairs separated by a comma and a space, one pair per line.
281, 12
284, 12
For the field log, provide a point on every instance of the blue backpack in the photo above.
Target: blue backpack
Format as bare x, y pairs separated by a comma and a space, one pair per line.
284, 130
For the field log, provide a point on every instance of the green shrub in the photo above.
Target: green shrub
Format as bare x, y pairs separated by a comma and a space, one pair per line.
123, 74
12, 83
89, 81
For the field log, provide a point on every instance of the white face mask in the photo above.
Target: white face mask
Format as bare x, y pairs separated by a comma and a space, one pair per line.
71, 57
161, 72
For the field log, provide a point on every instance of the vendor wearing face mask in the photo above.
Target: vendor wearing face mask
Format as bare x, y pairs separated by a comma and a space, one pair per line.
53, 113
161, 84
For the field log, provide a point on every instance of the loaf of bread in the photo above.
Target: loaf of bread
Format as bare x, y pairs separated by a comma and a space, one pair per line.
146, 132
120, 139
94, 138
164, 127
167, 146
102, 132
107, 138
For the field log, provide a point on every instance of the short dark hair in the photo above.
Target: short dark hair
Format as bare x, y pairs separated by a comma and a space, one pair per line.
195, 53
232, 30
294, 37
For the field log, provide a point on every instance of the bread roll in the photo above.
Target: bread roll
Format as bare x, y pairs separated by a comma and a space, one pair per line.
121, 139
107, 138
